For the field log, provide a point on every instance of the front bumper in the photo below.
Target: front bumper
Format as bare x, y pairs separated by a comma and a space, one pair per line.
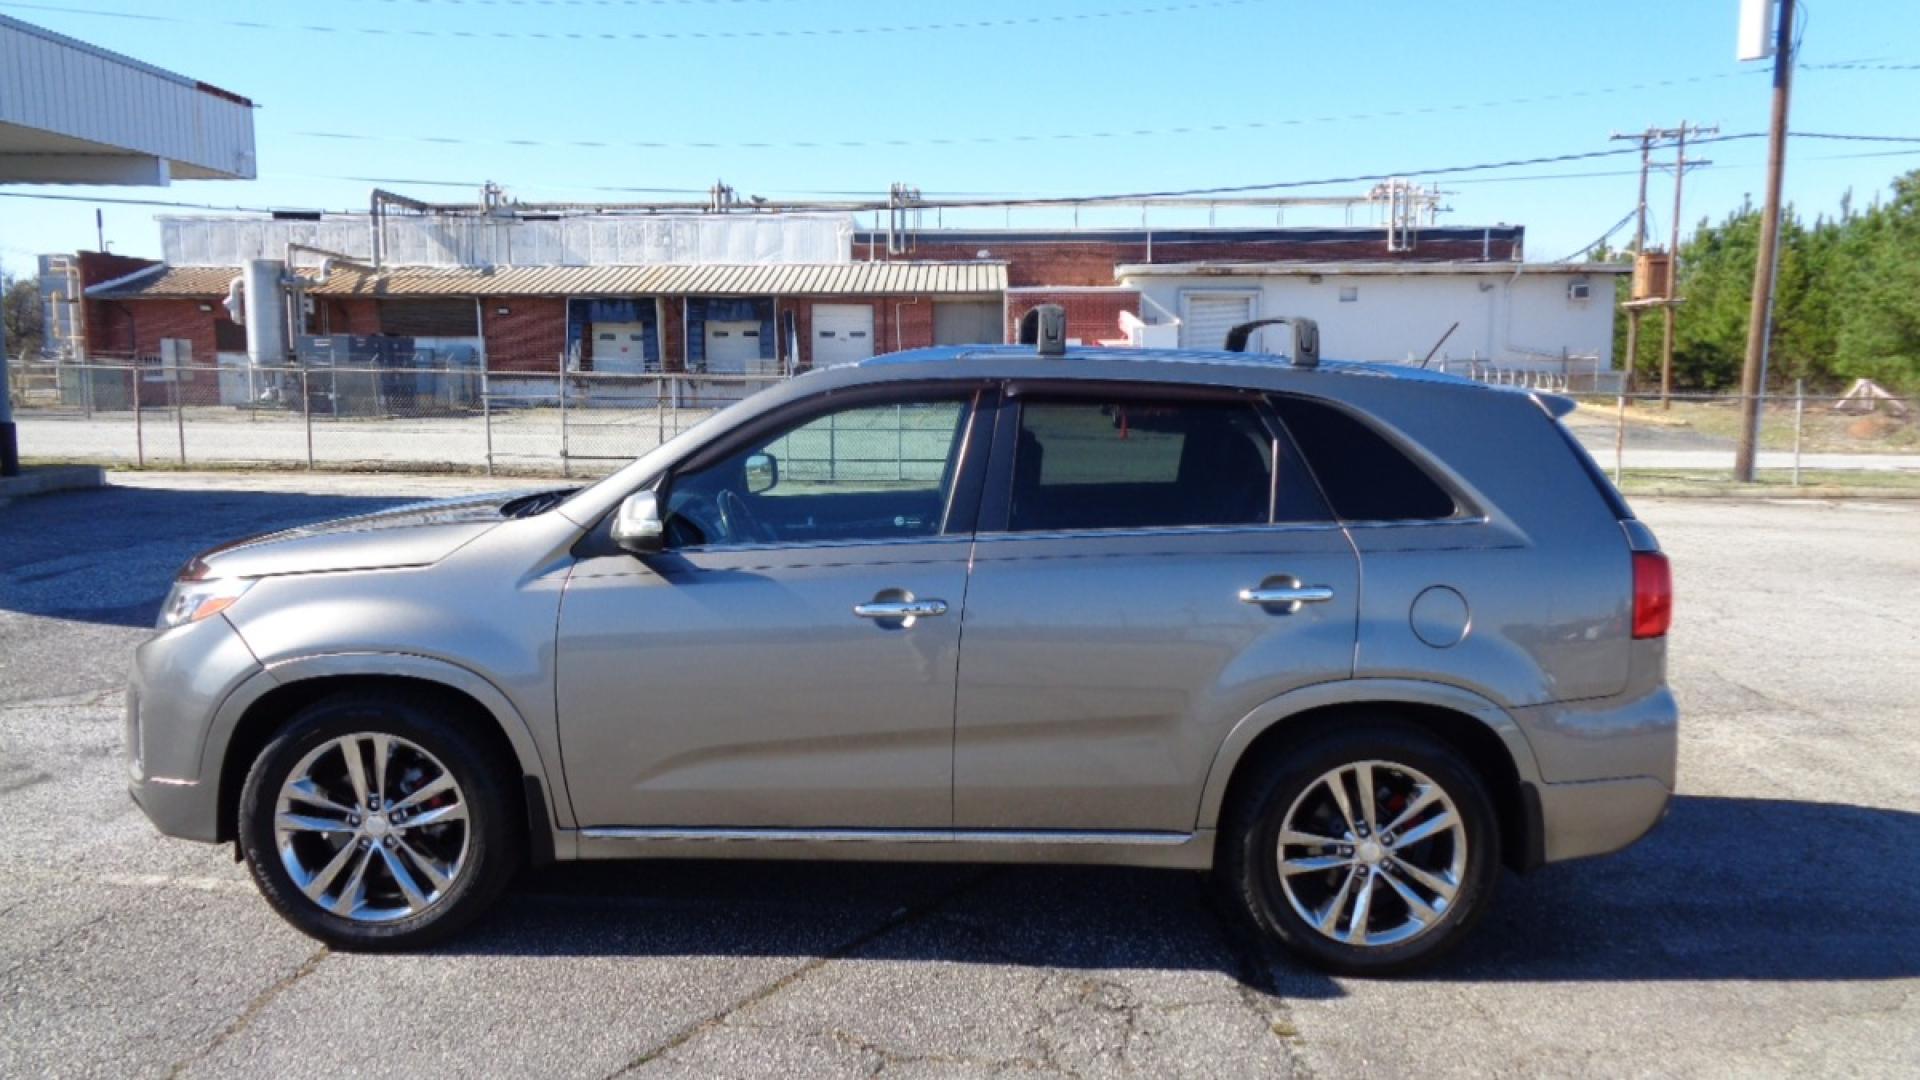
178, 682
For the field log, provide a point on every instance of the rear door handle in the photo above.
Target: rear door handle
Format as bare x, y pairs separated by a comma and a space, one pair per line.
1286, 598
900, 609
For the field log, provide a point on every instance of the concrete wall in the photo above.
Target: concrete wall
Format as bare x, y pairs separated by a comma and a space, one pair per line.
470, 240
1521, 322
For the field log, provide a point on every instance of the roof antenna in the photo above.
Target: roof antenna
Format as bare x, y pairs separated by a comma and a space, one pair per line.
1306, 338
1045, 328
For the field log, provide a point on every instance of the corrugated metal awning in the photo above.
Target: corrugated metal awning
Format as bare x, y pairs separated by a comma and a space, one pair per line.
776, 279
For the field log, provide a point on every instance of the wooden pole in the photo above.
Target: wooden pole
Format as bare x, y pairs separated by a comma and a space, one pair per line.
1753, 374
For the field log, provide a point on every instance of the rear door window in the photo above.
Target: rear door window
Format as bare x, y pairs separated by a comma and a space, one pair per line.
1365, 476
1136, 462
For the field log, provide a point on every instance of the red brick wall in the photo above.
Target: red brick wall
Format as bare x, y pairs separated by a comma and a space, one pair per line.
354, 315
1092, 317
119, 331
530, 337
673, 334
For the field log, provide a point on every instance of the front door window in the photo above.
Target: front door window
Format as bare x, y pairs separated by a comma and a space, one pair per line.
869, 472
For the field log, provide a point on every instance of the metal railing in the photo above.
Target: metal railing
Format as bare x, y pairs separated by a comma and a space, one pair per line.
528, 416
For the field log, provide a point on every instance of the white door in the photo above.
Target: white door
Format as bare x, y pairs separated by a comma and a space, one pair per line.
620, 348
842, 333
733, 348
1205, 319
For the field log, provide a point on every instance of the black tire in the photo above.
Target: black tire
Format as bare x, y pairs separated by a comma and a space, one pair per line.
495, 838
1248, 866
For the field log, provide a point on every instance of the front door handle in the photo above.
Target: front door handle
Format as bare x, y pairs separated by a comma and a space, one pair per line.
1286, 597
900, 609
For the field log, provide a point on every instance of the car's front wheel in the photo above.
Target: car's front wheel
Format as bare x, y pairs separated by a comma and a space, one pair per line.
373, 822
1368, 851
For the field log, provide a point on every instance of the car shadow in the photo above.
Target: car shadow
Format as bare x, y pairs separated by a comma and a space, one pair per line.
108, 555
1724, 889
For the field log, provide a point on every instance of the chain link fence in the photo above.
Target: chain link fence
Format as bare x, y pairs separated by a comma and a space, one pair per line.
506, 417
529, 416
1803, 438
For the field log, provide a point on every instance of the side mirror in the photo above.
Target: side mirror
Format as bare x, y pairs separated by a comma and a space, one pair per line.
637, 526
763, 471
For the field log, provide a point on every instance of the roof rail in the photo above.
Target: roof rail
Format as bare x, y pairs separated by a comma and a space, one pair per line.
1045, 328
1306, 338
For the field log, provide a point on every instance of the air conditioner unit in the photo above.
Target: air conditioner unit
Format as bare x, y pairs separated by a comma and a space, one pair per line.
1579, 289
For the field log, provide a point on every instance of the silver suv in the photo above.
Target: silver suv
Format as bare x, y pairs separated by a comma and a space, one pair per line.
1351, 637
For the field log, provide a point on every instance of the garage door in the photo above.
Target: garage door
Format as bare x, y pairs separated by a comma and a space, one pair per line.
1205, 319
733, 347
967, 322
842, 333
620, 348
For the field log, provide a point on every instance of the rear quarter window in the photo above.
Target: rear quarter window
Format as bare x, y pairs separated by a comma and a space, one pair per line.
1365, 477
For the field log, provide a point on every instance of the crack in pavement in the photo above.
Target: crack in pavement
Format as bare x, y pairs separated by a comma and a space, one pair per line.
247, 1015
906, 916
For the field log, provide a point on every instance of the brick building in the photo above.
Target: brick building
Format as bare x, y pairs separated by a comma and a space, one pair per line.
739, 293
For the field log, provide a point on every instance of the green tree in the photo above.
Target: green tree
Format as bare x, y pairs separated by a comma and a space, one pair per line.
1879, 333
25, 324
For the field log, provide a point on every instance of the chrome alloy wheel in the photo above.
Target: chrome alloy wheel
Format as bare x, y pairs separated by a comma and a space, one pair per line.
1372, 854
372, 827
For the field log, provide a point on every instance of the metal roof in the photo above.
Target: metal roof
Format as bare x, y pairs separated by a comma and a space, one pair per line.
775, 279
75, 113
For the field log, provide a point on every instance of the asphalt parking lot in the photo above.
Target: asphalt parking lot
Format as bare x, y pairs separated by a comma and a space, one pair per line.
1770, 926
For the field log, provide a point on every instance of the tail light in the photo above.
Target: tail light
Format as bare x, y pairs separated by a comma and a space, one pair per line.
1652, 594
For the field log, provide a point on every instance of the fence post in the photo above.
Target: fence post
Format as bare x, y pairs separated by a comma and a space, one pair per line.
660, 408
306, 414
139, 432
179, 413
1620, 441
566, 465
899, 443
86, 389
486, 411
1799, 418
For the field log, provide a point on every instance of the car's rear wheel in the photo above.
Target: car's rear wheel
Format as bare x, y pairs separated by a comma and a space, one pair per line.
1368, 851
375, 823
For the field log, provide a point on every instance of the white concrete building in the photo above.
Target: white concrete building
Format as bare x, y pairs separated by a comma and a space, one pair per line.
1512, 316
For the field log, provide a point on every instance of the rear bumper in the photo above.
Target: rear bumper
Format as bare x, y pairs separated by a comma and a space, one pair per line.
1596, 817
1607, 770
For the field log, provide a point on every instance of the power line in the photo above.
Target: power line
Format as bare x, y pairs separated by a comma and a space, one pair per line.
1605, 236
579, 3
986, 140
992, 202
1060, 18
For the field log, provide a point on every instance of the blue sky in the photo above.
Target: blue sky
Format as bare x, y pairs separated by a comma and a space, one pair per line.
437, 71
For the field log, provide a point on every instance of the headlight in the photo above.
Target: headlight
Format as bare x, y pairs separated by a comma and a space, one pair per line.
191, 601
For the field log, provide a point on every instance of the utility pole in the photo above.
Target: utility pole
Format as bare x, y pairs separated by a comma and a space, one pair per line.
1639, 244
1680, 166
1753, 374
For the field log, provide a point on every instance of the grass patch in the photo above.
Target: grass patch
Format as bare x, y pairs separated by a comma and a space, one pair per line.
1774, 483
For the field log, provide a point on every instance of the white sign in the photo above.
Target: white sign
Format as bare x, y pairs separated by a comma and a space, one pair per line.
1756, 30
